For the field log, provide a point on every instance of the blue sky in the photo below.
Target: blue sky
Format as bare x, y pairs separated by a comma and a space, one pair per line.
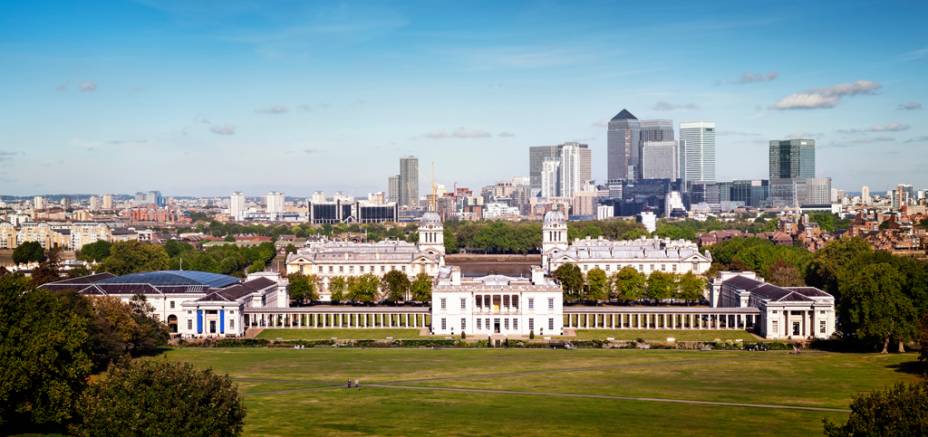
208, 97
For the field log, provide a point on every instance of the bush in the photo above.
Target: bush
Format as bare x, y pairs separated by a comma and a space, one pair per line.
898, 411
160, 398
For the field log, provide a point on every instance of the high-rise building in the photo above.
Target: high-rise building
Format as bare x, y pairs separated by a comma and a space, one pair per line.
38, 202
550, 176
107, 201
66, 203
94, 203
409, 182
790, 161
865, 198
274, 204
659, 160
656, 130
393, 188
622, 144
237, 206
752, 192
697, 152
575, 168
537, 155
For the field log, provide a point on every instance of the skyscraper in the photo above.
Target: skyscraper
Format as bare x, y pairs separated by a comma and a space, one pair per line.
656, 130
237, 206
865, 195
697, 152
575, 168
409, 182
536, 156
274, 204
107, 201
393, 188
94, 203
791, 161
659, 160
550, 178
622, 143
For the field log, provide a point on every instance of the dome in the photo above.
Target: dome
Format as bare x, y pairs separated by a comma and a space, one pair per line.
554, 218
430, 218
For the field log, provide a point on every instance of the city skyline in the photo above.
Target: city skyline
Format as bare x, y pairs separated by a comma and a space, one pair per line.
218, 92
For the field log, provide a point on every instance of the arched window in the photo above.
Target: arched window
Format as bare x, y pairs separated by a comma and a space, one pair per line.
172, 323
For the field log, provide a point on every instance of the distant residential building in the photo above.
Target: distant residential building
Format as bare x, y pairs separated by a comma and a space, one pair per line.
93, 203
274, 203
39, 203
393, 188
790, 162
409, 182
865, 198
575, 168
237, 206
107, 201
697, 152
622, 142
550, 178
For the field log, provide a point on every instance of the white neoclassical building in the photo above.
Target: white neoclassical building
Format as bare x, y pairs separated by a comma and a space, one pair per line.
785, 312
327, 259
646, 255
496, 305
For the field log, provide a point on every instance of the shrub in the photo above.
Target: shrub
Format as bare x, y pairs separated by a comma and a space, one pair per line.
898, 411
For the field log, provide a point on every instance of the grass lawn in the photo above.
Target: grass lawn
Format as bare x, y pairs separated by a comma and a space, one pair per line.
345, 334
662, 335
542, 392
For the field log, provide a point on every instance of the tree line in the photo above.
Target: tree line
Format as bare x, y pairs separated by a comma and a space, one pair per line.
628, 285
394, 287
121, 258
51, 343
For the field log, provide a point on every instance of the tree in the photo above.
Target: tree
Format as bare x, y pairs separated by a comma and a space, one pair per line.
421, 288
134, 256
47, 270
784, 274
338, 287
30, 251
302, 288
160, 398
628, 284
396, 285
364, 288
571, 279
898, 411
661, 286
43, 348
94, 252
597, 284
873, 306
291, 248
690, 287
832, 262
255, 267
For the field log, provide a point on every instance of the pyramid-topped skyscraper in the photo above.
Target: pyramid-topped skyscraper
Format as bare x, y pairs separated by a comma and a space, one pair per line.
622, 136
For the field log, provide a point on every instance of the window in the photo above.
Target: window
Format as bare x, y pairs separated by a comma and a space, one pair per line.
463, 303
382, 268
172, 304
478, 324
640, 267
531, 303
190, 325
478, 302
775, 327
673, 267
330, 269
362, 269
444, 304
550, 324
321, 269
506, 324
463, 324
515, 324
663, 267
550, 303
404, 268
232, 323
821, 326
341, 269
531, 325
443, 324
515, 301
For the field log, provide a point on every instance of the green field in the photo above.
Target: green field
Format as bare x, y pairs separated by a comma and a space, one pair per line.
344, 334
662, 335
543, 392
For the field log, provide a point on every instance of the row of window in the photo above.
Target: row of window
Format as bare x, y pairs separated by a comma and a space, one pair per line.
506, 322
640, 267
361, 269
481, 301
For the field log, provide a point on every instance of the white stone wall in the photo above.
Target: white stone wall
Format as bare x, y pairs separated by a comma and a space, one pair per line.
533, 313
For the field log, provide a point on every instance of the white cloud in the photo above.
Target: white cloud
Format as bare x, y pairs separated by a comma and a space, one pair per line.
88, 86
827, 97
505, 134
747, 78
276, 109
909, 106
734, 133
459, 133
915, 55
889, 127
667, 106
225, 129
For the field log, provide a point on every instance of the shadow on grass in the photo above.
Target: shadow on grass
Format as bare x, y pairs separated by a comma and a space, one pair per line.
911, 367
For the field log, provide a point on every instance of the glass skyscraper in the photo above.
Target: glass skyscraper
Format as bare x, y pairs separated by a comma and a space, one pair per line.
697, 152
622, 146
792, 162
409, 181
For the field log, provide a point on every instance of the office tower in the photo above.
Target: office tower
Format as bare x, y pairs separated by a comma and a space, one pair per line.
656, 130
38, 202
812, 191
94, 203
622, 143
537, 155
107, 201
575, 168
237, 206
274, 203
550, 176
393, 189
865, 195
697, 152
409, 182
659, 160
752, 192
790, 161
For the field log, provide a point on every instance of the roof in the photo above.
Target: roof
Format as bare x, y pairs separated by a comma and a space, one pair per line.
775, 293
174, 277
259, 284
76, 284
624, 115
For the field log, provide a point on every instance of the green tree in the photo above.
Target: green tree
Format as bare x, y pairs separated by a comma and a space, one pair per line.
46, 271
661, 286
133, 256
364, 288
302, 288
396, 285
690, 287
94, 252
832, 262
784, 274
255, 267
873, 306
291, 248
30, 251
571, 279
628, 284
597, 284
160, 398
44, 356
451, 241
421, 288
900, 411
338, 288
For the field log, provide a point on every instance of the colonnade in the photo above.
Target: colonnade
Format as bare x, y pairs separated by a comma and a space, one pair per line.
709, 319
354, 319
